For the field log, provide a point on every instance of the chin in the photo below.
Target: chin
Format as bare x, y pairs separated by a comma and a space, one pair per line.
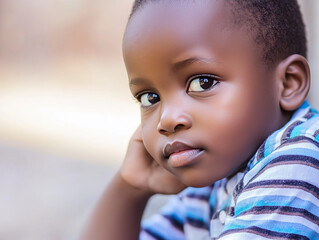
198, 182
199, 177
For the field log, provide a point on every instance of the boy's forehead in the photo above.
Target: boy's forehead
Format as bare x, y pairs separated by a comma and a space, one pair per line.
180, 15
191, 24
168, 8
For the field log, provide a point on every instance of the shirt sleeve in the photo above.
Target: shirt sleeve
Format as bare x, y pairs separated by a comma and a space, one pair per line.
281, 201
167, 224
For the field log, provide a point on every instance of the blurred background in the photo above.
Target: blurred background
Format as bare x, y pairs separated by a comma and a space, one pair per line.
66, 113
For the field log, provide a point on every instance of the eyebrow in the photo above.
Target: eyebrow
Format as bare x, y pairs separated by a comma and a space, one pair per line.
184, 63
137, 81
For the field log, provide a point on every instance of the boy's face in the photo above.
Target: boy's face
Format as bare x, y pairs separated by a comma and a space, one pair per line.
208, 100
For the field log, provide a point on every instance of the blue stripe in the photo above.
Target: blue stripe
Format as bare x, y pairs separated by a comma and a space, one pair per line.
283, 211
159, 230
200, 192
290, 129
296, 151
197, 214
267, 233
153, 235
197, 223
173, 219
275, 226
304, 105
292, 184
213, 200
270, 145
175, 209
291, 201
303, 128
295, 159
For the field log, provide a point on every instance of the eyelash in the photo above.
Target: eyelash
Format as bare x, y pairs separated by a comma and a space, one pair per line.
139, 96
212, 77
207, 76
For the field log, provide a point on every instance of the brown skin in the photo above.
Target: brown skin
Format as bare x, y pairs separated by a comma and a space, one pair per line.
228, 121
223, 125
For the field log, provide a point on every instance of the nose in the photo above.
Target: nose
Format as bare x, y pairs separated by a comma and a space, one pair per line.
173, 118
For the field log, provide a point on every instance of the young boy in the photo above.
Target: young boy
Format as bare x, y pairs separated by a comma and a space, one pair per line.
222, 85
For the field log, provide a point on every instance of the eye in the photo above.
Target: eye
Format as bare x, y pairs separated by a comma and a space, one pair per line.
148, 99
202, 83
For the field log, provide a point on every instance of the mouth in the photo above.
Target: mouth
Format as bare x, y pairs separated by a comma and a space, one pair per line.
180, 154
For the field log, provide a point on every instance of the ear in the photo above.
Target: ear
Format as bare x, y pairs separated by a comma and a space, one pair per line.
294, 75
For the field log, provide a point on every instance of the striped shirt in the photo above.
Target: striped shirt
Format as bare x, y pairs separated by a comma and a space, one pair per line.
275, 197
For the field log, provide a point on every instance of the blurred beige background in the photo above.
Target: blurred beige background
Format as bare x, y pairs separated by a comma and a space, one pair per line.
66, 113
63, 84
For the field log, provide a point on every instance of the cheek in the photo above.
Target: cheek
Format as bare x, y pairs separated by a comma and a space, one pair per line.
150, 137
237, 128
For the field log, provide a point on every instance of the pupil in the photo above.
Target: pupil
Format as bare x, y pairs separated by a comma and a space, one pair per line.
152, 98
205, 83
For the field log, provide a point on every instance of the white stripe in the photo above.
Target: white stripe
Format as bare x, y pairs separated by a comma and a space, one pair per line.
194, 233
253, 172
243, 236
197, 203
286, 192
300, 113
159, 222
314, 127
260, 165
288, 172
299, 145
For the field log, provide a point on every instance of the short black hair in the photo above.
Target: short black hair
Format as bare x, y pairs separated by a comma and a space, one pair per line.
276, 26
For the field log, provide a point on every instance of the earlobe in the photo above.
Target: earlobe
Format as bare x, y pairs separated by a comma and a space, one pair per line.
295, 81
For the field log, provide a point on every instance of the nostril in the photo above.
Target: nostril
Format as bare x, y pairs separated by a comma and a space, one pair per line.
171, 130
162, 131
178, 126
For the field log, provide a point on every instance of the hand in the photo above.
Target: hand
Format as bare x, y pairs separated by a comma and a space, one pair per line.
141, 171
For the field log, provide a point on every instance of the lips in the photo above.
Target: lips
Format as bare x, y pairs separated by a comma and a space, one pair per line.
180, 154
175, 147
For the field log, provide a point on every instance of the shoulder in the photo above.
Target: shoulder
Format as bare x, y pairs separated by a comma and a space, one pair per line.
291, 175
279, 195
295, 147
287, 160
